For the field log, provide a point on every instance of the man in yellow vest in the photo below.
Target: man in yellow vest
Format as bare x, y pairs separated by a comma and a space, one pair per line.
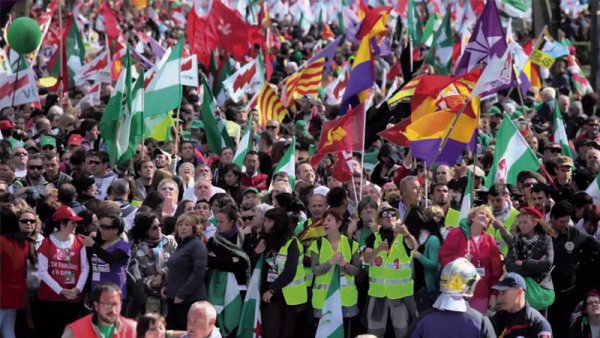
390, 275
501, 205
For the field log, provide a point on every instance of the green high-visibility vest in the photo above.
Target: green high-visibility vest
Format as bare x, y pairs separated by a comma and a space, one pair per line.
348, 291
390, 273
294, 293
508, 223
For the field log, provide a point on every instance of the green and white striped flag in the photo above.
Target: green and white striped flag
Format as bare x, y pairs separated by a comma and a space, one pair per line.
440, 56
121, 123
163, 93
250, 320
594, 190
244, 146
415, 25
560, 135
512, 155
216, 131
467, 201
224, 294
432, 25
287, 163
331, 325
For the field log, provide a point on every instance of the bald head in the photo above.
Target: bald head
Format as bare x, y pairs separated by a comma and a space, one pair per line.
201, 319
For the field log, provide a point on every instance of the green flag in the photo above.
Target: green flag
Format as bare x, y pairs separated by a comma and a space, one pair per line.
216, 132
121, 123
287, 163
245, 145
250, 319
224, 294
415, 25
164, 90
331, 324
560, 135
440, 54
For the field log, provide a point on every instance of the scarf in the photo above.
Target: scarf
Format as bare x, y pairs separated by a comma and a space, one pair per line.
234, 249
524, 246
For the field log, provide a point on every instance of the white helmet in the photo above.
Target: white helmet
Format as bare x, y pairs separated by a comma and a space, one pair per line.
457, 282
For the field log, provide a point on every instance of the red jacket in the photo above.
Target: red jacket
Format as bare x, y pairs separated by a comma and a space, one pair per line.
84, 327
13, 273
258, 181
486, 255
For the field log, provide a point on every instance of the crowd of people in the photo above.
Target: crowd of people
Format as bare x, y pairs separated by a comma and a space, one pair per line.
90, 248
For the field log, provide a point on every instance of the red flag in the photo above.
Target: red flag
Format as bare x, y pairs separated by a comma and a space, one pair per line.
395, 134
341, 169
372, 17
111, 27
217, 26
345, 133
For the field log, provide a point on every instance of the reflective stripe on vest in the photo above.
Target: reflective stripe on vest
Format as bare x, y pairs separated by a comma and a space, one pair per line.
392, 278
348, 291
295, 292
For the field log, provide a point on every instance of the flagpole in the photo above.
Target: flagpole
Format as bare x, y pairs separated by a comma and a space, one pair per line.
535, 46
426, 181
16, 81
447, 136
143, 108
178, 111
362, 145
61, 51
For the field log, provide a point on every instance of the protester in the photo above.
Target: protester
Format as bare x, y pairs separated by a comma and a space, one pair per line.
105, 320
516, 318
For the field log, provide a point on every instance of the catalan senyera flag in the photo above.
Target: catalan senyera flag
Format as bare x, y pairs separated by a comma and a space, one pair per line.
362, 77
305, 82
405, 92
269, 106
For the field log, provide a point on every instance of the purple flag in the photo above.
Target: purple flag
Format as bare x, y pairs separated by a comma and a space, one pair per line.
327, 52
145, 62
157, 50
384, 48
486, 40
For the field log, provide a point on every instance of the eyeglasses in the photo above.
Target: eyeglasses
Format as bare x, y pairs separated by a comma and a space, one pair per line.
94, 162
20, 154
247, 218
35, 167
27, 221
555, 150
167, 188
387, 214
106, 227
110, 305
594, 302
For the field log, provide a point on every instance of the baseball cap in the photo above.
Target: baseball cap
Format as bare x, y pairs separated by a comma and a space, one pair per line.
159, 151
250, 190
75, 140
64, 213
6, 124
46, 140
564, 161
197, 124
511, 280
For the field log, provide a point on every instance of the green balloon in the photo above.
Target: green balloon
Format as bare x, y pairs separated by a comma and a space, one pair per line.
24, 35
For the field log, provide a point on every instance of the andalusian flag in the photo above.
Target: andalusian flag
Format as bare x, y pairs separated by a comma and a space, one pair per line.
512, 155
224, 294
121, 123
287, 163
250, 319
244, 146
164, 90
560, 135
415, 25
467, 201
594, 190
216, 131
440, 57
331, 325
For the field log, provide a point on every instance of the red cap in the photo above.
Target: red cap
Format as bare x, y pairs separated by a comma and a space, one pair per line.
64, 213
533, 212
6, 124
74, 140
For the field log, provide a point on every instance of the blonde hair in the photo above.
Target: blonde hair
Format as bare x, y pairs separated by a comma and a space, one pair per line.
166, 181
476, 210
190, 217
38, 223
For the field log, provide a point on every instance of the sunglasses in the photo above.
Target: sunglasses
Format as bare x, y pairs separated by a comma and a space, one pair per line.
48, 148
167, 189
593, 124
27, 221
388, 214
106, 227
95, 162
271, 127
555, 150
528, 185
247, 218
35, 167
21, 154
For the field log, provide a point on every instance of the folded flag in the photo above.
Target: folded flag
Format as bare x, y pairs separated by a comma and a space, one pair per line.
594, 190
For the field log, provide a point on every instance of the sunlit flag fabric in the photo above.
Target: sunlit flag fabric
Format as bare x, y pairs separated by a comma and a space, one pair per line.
486, 40
304, 83
269, 106
361, 79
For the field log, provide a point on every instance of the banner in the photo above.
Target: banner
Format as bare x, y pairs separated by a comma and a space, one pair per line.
26, 91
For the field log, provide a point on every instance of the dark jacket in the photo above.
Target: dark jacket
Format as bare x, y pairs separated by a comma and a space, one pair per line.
222, 259
187, 266
533, 266
567, 261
